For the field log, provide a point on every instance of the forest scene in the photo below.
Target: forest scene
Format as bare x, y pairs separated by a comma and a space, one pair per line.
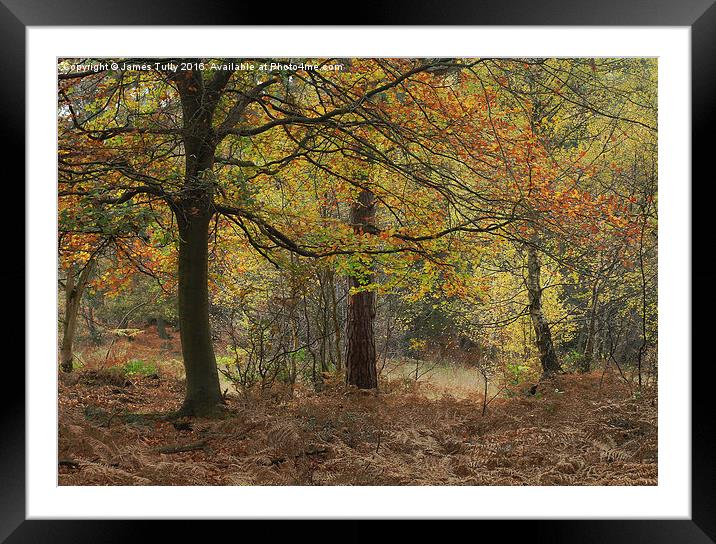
363, 271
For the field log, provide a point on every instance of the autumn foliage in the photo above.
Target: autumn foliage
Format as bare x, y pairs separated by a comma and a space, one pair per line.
316, 229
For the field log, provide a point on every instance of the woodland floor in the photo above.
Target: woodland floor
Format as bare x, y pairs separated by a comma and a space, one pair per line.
578, 430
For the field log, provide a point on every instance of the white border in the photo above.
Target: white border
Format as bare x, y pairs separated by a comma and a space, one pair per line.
670, 499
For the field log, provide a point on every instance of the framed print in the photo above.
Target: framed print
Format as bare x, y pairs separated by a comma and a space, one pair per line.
433, 267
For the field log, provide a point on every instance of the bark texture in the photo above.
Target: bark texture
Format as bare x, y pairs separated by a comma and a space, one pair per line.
74, 286
590, 344
194, 209
360, 337
162, 328
203, 394
543, 335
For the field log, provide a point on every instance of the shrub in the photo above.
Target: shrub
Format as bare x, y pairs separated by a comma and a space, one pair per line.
137, 367
572, 360
516, 373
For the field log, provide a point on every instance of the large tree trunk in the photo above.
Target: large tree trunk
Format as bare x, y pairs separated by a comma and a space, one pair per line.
360, 339
203, 394
548, 356
193, 211
74, 286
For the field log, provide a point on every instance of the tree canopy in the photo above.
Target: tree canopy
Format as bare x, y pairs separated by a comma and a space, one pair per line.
287, 207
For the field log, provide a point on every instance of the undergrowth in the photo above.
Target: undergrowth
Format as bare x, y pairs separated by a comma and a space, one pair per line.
588, 429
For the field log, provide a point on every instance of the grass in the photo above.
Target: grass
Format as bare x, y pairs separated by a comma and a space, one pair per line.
457, 380
137, 367
147, 354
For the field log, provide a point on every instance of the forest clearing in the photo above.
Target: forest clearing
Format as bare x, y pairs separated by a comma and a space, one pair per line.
357, 271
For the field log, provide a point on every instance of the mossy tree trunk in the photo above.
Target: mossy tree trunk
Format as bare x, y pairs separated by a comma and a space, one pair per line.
75, 284
194, 208
203, 394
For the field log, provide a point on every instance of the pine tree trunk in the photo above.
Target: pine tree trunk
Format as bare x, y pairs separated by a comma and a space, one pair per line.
543, 335
203, 394
360, 338
360, 351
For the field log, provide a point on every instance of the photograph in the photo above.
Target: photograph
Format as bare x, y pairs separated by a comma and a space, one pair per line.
394, 271
421, 262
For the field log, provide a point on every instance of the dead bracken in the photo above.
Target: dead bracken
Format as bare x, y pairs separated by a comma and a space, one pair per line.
575, 433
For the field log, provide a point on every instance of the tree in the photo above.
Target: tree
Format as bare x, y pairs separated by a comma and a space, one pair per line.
76, 280
543, 334
361, 368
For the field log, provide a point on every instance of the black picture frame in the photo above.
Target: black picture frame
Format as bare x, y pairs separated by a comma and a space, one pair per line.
700, 15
